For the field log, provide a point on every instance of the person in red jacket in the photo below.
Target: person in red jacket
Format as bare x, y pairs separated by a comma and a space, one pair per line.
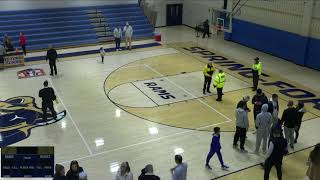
23, 42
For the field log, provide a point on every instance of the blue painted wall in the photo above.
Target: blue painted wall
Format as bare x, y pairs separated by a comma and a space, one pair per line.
292, 47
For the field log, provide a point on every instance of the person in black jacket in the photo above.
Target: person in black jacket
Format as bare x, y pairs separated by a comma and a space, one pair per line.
60, 173
300, 112
52, 55
258, 100
206, 29
75, 169
289, 117
48, 96
277, 149
147, 173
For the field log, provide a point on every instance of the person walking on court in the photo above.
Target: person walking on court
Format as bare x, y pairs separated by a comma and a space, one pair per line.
52, 55
179, 172
289, 117
258, 100
242, 125
117, 33
206, 29
124, 172
256, 72
313, 171
207, 72
147, 173
275, 103
300, 112
128, 32
102, 54
23, 42
48, 96
263, 123
277, 149
219, 81
215, 148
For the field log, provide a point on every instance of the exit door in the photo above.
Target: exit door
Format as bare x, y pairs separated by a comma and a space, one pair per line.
174, 14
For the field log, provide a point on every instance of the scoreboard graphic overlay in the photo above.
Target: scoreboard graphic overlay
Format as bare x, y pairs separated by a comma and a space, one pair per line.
27, 162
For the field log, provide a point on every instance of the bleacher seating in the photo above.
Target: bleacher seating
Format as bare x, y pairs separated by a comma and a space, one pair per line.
59, 27
70, 26
118, 15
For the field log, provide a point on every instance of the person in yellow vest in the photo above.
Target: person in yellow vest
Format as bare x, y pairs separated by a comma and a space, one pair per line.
219, 81
207, 72
256, 72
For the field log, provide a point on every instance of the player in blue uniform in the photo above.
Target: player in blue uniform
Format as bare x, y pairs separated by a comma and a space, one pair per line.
215, 148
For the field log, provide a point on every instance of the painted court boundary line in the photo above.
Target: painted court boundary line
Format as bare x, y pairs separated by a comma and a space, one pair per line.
202, 102
143, 143
73, 122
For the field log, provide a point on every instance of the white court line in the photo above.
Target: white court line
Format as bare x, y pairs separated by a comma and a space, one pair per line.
188, 92
68, 113
142, 143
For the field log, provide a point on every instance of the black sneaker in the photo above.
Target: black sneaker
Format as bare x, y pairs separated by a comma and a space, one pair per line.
208, 166
208, 91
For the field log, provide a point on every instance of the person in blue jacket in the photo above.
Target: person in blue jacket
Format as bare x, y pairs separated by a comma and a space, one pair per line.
215, 148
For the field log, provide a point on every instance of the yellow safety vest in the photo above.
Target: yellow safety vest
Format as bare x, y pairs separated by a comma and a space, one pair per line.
257, 67
219, 80
208, 71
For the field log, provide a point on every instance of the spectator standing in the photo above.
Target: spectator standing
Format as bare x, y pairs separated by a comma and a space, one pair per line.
52, 55
60, 173
75, 169
300, 112
206, 29
264, 121
277, 149
179, 172
258, 100
2, 53
215, 147
242, 125
275, 102
147, 173
124, 172
289, 117
102, 54
117, 33
23, 42
313, 171
8, 45
245, 99
4, 40
128, 32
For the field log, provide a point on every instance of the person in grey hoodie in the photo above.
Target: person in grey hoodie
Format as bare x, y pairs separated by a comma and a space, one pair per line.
263, 123
242, 125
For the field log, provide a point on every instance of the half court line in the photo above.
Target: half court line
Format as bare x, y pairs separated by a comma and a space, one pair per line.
202, 102
68, 114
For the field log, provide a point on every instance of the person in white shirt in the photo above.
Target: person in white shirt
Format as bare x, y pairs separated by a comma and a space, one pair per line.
180, 171
117, 33
102, 54
128, 32
124, 172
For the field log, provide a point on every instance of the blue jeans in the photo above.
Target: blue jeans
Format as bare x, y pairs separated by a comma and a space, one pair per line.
211, 153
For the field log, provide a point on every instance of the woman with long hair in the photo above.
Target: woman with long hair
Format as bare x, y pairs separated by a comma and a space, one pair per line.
313, 171
124, 172
75, 169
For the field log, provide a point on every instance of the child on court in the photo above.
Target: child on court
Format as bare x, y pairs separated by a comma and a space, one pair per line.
102, 54
215, 148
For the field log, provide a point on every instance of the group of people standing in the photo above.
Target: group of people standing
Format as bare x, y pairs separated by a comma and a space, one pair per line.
7, 43
127, 31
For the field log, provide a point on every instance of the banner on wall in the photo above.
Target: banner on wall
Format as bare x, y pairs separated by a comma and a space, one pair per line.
12, 60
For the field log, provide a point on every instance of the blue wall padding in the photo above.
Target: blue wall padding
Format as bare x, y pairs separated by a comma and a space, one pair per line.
292, 47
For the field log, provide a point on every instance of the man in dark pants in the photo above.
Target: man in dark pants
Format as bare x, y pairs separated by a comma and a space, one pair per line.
242, 125
48, 96
256, 72
258, 100
219, 81
52, 55
207, 72
277, 149
206, 29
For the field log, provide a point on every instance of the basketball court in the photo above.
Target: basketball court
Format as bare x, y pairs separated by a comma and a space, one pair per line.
146, 105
